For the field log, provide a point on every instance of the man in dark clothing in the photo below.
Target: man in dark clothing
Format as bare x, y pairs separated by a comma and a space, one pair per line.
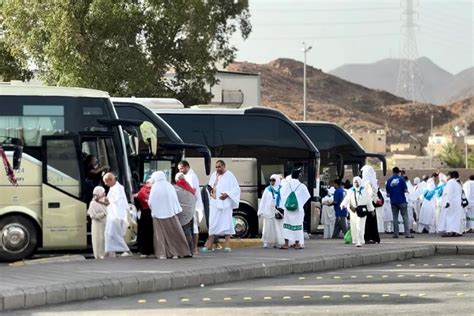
396, 188
341, 214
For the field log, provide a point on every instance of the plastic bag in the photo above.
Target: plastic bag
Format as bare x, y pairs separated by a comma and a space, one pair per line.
348, 237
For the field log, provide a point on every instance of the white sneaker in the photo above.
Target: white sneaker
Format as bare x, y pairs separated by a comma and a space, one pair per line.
162, 258
174, 257
358, 245
265, 245
143, 256
126, 254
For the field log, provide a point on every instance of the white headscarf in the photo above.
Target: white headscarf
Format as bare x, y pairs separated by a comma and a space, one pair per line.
369, 175
358, 180
416, 181
163, 200
277, 180
98, 192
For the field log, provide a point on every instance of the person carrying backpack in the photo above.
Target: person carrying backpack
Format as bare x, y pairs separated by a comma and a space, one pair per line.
294, 195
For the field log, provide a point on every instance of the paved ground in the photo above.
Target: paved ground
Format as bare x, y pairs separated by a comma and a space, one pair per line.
53, 283
434, 285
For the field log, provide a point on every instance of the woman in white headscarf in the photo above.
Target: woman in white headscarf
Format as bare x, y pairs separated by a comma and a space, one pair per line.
169, 239
359, 203
98, 212
272, 234
369, 179
328, 216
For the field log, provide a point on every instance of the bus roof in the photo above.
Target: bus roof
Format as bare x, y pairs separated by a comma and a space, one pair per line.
348, 136
258, 110
153, 103
26, 90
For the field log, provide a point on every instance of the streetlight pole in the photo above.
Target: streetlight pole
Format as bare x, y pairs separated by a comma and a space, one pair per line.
305, 50
430, 145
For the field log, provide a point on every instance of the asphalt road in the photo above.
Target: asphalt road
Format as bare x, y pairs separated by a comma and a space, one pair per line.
434, 285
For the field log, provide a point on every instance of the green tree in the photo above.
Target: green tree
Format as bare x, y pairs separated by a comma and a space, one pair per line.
127, 46
10, 67
452, 156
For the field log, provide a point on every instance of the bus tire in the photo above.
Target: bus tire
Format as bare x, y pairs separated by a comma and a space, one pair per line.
18, 238
245, 222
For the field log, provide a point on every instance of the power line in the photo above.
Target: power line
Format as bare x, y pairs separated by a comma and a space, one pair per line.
328, 23
323, 37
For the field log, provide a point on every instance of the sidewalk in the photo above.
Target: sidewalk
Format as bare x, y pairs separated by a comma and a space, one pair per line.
53, 283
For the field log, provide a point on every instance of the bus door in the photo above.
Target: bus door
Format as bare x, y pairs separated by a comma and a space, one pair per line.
64, 211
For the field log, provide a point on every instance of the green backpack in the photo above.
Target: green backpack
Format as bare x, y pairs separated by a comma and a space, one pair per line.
291, 203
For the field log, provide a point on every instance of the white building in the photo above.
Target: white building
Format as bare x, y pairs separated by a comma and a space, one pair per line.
236, 89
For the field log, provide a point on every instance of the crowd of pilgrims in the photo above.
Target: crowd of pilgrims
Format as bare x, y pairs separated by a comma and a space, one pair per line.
168, 214
440, 204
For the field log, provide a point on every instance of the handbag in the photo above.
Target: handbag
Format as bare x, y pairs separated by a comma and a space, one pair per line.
279, 213
379, 202
361, 210
464, 201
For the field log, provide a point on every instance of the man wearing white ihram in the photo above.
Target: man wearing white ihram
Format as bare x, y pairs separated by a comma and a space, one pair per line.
469, 193
116, 224
293, 219
224, 192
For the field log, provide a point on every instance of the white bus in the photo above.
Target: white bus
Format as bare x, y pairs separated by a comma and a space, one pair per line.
59, 128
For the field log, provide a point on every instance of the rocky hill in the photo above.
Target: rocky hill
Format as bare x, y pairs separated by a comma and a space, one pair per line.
333, 99
435, 85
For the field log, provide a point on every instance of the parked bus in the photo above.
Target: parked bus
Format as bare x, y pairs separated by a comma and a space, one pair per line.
58, 127
338, 149
171, 148
255, 143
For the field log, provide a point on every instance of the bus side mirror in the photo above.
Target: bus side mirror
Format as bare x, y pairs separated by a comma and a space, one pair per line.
17, 153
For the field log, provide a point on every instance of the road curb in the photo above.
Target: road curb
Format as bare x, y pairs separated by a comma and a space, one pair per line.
163, 281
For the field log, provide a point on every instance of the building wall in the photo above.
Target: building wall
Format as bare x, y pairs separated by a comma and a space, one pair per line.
406, 148
371, 141
412, 162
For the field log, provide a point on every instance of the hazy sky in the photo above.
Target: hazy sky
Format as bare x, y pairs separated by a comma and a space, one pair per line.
353, 31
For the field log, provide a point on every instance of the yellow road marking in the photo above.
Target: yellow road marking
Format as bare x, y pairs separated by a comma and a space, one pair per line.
384, 276
301, 278
422, 294
319, 278
267, 298
227, 298
453, 264
418, 275
440, 264
337, 277
247, 298
369, 276
306, 297
467, 264
365, 295
460, 294
326, 296
467, 274
399, 265
141, 301
400, 275
385, 295
287, 297
346, 296
425, 265
162, 300
206, 299
412, 265
185, 300
432, 275
353, 276
403, 295
449, 275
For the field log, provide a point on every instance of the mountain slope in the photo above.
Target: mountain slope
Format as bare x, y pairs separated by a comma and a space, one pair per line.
435, 85
333, 99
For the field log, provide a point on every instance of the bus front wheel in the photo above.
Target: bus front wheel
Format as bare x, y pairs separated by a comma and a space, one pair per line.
18, 238
244, 222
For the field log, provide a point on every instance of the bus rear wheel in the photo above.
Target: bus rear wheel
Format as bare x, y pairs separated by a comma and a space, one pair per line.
18, 238
244, 223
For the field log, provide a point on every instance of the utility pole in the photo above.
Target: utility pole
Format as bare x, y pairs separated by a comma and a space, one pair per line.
304, 50
408, 52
